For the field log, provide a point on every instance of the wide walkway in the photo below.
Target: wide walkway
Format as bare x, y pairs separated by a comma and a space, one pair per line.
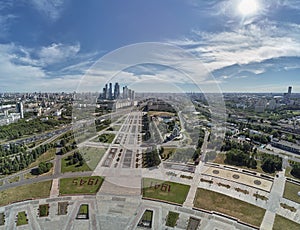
189, 202
273, 203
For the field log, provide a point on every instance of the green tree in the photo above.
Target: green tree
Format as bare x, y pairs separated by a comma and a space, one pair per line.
296, 171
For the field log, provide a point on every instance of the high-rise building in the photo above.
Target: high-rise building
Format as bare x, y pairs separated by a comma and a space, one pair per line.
125, 92
105, 92
290, 90
20, 109
110, 94
117, 91
129, 93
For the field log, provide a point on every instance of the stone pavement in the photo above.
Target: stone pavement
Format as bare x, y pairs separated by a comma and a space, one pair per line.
273, 204
54, 188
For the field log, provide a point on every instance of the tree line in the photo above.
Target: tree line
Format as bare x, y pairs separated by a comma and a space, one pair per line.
12, 149
199, 146
151, 158
244, 154
22, 160
28, 127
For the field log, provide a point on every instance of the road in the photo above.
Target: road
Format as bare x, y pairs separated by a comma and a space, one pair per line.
282, 153
44, 178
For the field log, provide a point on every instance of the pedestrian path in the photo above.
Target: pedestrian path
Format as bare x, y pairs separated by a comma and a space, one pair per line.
273, 203
54, 188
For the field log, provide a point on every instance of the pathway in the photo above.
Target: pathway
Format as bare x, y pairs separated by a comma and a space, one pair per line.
273, 203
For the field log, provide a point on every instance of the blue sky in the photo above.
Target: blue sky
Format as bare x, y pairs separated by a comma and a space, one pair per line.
48, 45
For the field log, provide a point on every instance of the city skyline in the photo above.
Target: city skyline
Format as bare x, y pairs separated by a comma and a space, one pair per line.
44, 45
108, 93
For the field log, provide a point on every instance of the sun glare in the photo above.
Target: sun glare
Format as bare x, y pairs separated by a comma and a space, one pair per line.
248, 7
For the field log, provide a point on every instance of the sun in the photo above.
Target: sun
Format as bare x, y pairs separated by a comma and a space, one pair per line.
248, 7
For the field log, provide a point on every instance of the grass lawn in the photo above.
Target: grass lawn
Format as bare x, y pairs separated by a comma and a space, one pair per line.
73, 168
168, 151
47, 156
80, 185
106, 137
84, 209
146, 220
222, 156
291, 192
14, 179
116, 127
182, 154
147, 216
22, 219
213, 201
30, 175
91, 155
2, 218
284, 223
165, 190
43, 210
1, 182
288, 173
172, 219
25, 192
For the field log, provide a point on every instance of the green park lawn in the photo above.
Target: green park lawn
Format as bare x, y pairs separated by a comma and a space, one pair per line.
2, 219
172, 219
47, 156
106, 137
91, 155
164, 190
22, 219
43, 210
73, 168
80, 185
291, 192
284, 223
84, 209
241, 210
168, 152
147, 216
25, 192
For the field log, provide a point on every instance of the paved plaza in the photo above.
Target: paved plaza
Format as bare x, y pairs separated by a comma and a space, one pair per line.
119, 204
239, 177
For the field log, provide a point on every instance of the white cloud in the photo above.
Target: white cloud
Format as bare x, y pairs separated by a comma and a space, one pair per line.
57, 52
13, 75
50, 8
251, 44
19, 71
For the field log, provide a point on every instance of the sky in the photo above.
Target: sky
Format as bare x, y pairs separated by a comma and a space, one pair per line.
246, 45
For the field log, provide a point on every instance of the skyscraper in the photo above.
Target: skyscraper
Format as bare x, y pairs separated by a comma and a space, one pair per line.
290, 90
105, 92
20, 109
110, 95
125, 92
129, 93
117, 91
